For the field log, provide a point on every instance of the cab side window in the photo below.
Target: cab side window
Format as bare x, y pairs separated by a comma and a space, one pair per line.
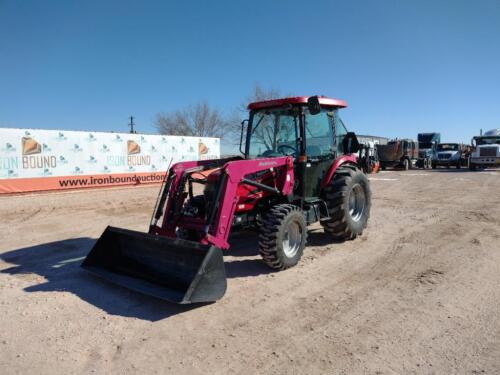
339, 131
319, 135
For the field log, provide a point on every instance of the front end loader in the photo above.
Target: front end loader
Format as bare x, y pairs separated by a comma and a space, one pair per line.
300, 166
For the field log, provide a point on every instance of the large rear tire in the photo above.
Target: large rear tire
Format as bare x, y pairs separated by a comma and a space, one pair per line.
283, 236
348, 197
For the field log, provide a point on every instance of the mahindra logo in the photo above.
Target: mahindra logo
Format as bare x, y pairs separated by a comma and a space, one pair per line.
267, 163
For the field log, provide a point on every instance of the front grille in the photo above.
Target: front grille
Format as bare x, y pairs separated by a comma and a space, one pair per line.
488, 151
444, 156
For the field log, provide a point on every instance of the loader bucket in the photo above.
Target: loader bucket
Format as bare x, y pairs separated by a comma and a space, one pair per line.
176, 270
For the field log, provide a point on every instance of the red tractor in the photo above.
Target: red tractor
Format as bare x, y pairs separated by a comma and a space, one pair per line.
299, 167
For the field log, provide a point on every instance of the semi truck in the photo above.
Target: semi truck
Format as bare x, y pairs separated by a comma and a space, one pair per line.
398, 153
450, 155
486, 150
427, 146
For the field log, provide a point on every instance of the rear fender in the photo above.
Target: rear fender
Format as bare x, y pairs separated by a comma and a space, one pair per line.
351, 159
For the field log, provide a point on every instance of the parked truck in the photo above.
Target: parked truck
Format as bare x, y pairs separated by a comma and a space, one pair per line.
450, 155
486, 150
427, 147
398, 153
368, 157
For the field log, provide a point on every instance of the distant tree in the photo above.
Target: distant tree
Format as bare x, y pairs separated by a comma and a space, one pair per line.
260, 93
199, 120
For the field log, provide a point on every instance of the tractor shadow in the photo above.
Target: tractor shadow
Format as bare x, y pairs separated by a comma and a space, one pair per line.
59, 263
317, 237
244, 244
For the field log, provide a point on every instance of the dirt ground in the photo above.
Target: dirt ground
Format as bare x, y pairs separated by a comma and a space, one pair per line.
419, 292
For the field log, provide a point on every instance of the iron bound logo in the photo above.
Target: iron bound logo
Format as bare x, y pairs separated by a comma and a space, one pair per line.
32, 155
203, 151
30, 146
133, 148
134, 157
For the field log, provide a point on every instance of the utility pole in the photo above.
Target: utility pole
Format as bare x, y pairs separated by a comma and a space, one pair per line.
132, 124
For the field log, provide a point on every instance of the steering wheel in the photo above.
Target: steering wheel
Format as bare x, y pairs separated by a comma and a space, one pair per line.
294, 150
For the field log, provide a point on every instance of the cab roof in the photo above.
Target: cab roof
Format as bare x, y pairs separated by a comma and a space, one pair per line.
297, 100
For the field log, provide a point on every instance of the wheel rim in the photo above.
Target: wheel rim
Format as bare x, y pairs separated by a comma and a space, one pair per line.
292, 239
357, 202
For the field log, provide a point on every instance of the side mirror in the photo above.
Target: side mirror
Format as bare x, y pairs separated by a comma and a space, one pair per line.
350, 143
313, 105
241, 135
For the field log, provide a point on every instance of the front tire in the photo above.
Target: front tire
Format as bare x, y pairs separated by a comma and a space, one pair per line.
348, 197
283, 236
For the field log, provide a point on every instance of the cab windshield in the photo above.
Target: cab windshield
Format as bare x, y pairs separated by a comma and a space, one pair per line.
424, 145
448, 147
276, 132
488, 141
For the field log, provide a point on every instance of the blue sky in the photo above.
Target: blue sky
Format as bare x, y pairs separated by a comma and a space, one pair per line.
403, 66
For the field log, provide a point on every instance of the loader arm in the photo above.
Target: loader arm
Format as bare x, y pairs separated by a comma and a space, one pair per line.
217, 227
171, 185
233, 174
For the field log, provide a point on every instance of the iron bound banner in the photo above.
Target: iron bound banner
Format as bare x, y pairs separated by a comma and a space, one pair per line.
36, 160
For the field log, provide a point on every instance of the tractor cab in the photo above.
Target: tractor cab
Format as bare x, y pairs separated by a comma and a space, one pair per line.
307, 128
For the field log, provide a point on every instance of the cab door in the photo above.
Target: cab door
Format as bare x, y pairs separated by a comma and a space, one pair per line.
321, 149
